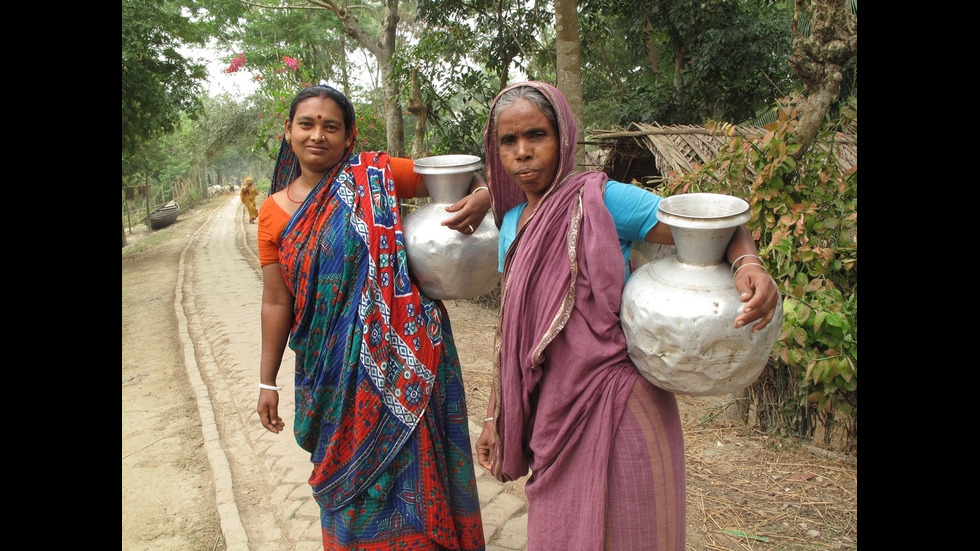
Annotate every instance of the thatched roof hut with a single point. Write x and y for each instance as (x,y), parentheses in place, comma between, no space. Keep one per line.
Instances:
(647,153)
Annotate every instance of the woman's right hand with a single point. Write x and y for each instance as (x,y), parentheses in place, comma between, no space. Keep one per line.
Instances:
(269,410)
(469,212)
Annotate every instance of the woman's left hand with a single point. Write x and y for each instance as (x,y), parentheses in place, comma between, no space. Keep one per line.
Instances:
(760,295)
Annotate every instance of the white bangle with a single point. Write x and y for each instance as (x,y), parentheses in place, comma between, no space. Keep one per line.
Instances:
(488,419)
(734,262)
(270,387)
(479,188)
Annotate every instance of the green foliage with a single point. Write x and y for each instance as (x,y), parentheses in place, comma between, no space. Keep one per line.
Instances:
(463,56)
(804,216)
(371,135)
(159,85)
(457,106)
(684,61)
(498,35)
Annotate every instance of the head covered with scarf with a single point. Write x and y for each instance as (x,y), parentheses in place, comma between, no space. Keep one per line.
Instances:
(506,194)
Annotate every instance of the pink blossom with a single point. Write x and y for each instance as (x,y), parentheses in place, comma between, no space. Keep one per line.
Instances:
(236,63)
(293,63)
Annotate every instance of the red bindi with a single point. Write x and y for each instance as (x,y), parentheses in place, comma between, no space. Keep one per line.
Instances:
(319,116)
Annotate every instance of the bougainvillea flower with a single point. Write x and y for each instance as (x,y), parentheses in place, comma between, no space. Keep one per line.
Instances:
(236,63)
(293,63)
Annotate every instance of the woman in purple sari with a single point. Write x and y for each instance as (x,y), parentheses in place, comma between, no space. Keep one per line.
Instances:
(604,447)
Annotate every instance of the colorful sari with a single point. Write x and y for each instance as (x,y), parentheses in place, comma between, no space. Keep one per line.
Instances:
(603,445)
(380,400)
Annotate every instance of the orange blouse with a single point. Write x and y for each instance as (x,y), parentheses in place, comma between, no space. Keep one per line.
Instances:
(273,219)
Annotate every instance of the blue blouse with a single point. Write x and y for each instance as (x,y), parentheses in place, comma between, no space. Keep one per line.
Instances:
(634,210)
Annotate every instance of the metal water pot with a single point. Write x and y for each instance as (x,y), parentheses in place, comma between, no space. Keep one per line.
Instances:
(445,263)
(678,312)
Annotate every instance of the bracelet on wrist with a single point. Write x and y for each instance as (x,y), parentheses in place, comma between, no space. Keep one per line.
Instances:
(734,262)
(479,188)
(487,420)
(270,387)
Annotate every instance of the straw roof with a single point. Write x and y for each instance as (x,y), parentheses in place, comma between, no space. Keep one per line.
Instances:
(649,152)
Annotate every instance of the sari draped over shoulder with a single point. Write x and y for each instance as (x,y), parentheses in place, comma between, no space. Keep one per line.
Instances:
(379,396)
(562,374)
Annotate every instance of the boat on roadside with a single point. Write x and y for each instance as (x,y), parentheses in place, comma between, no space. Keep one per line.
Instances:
(164,215)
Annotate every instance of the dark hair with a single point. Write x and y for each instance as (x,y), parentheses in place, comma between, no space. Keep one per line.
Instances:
(324,91)
(528,93)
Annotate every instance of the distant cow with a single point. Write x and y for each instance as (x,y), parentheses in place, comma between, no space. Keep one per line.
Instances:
(214,190)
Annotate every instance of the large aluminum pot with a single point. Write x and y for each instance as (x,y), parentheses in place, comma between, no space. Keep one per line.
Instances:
(445,263)
(678,312)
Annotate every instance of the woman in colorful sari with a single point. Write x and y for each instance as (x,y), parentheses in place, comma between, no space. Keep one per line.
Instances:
(605,448)
(249,193)
(380,403)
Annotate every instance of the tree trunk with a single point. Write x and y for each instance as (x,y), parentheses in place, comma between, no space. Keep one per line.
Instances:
(383,49)
(569,65)
(417,107)
(394,123)
(653,53)
(344,76)
(819,58)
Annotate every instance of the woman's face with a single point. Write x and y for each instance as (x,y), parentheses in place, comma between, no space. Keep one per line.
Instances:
(528,145)
(317,134)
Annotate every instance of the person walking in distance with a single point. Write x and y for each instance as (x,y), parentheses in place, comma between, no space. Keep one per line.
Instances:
(248,195)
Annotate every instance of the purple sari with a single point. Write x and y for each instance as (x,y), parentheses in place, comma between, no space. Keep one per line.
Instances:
(570,405)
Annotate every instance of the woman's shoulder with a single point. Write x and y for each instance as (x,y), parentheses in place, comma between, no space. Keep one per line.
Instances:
(272,217)
(271,206)
(624,191)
